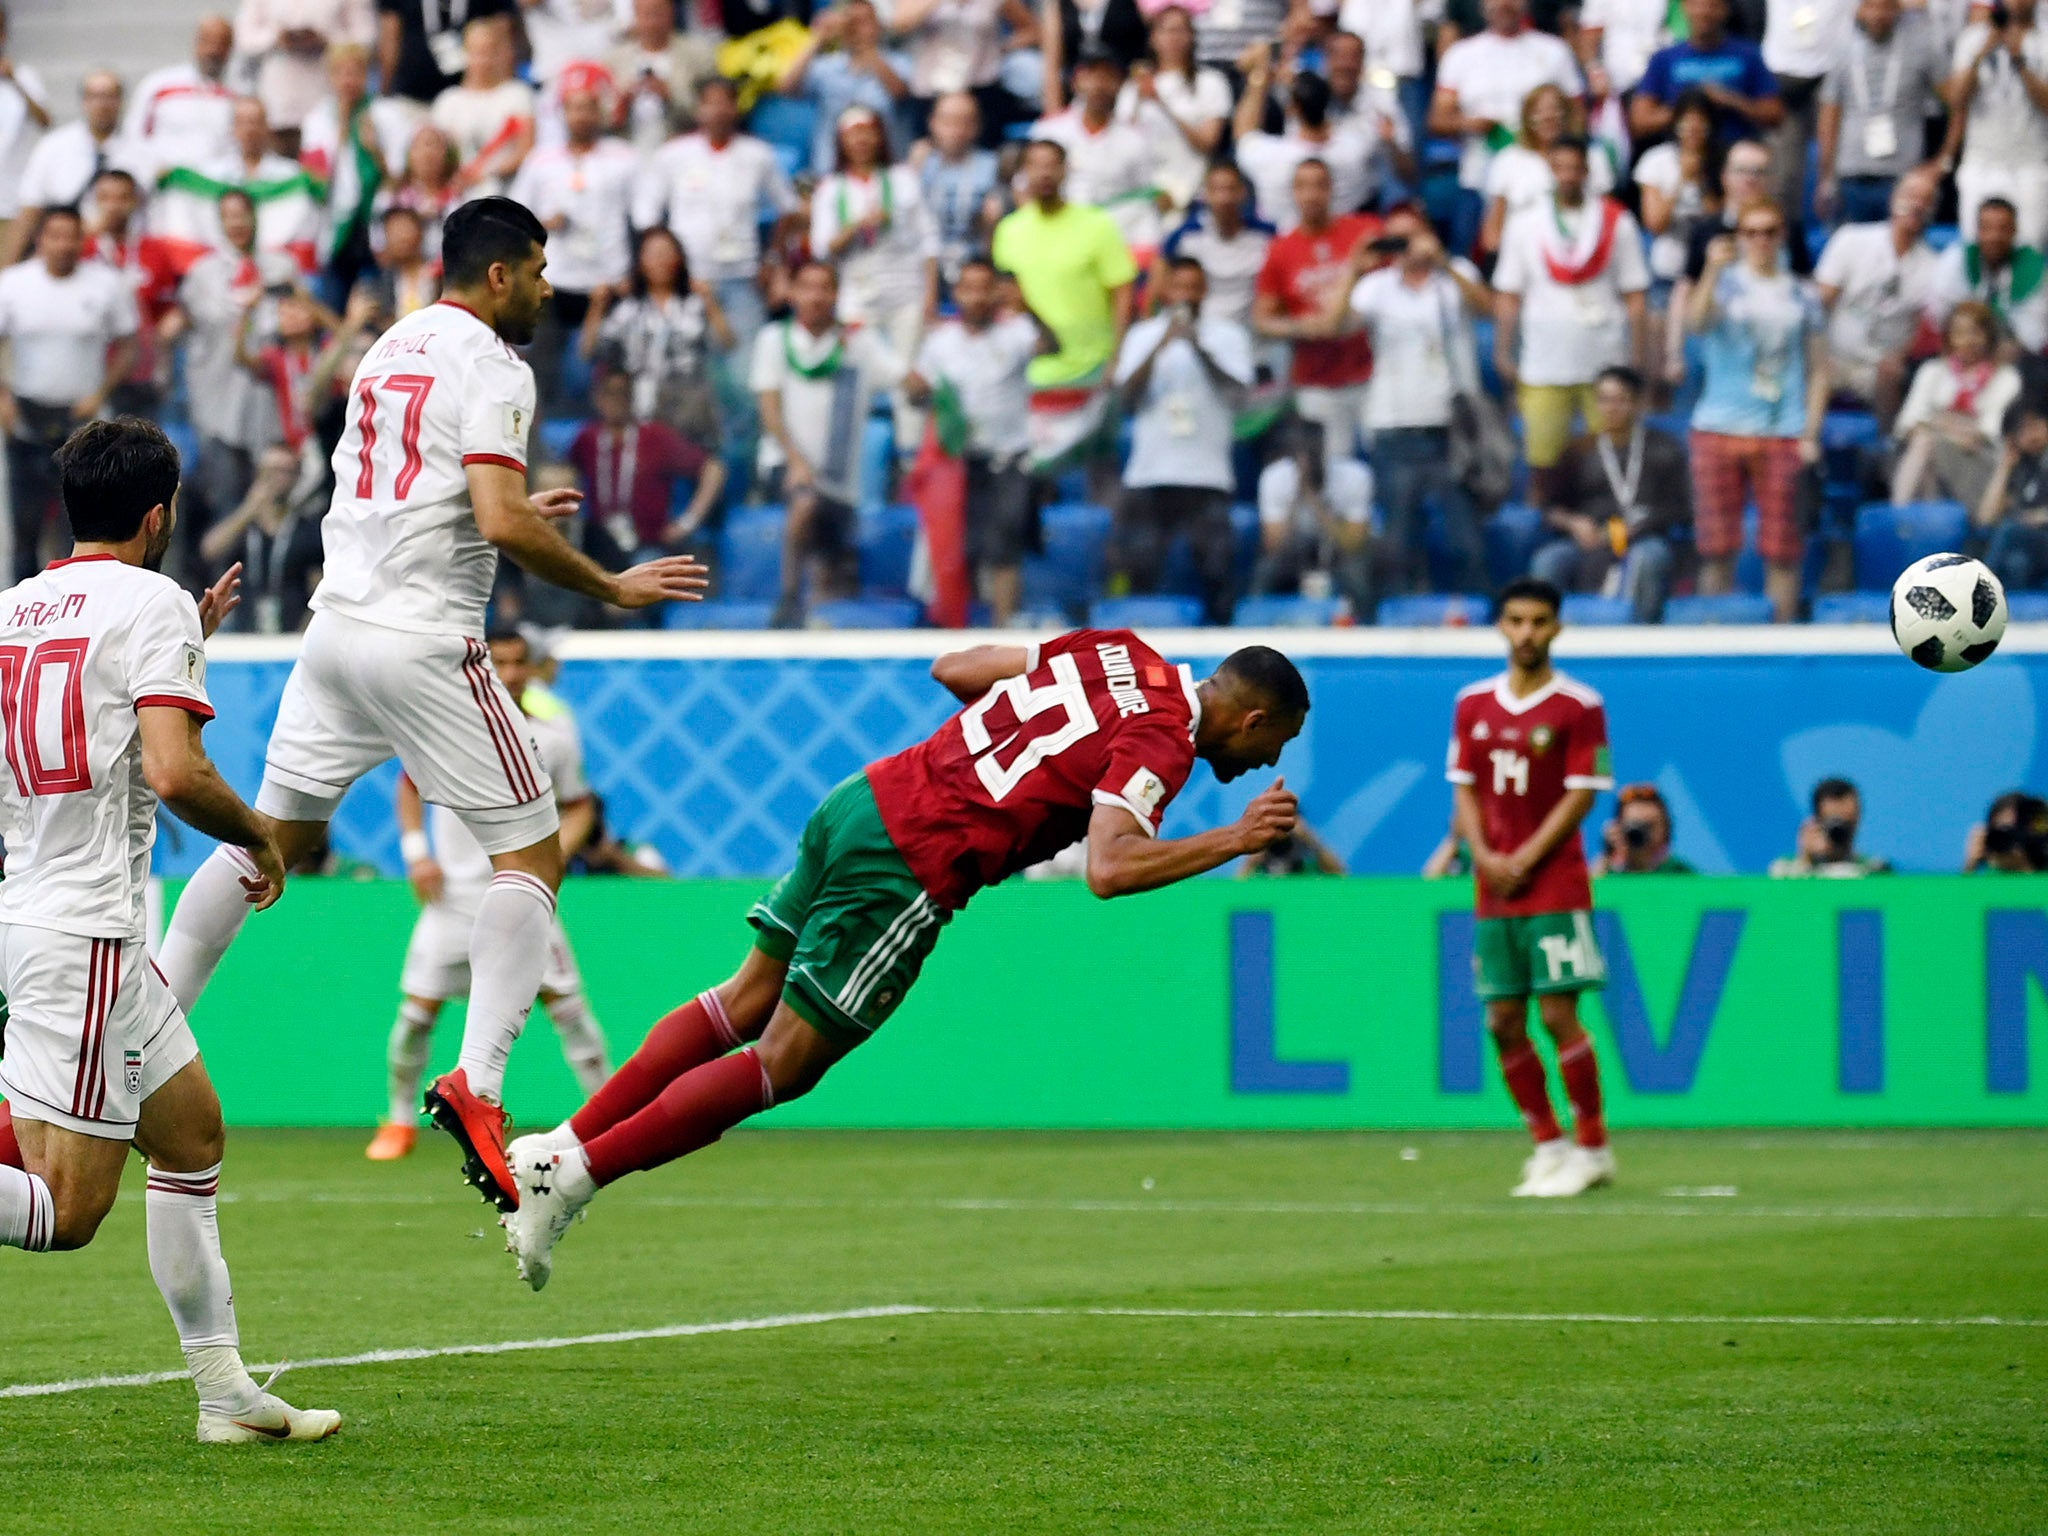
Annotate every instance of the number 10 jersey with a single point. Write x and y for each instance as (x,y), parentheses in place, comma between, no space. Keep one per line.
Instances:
(1097,718)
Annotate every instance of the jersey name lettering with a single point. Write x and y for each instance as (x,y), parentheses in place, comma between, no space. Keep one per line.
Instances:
(35,615)
(1121,677)
(401,346)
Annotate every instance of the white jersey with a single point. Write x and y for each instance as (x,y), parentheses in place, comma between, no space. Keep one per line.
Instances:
(465,867)
(83,646)
(439,392)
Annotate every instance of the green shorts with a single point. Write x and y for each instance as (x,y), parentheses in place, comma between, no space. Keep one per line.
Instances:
(850,920)
(1529,956)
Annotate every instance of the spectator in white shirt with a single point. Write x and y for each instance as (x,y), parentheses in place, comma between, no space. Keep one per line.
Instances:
(814,379)
(582,191)
(62,166)
(1804,42)
(658,69)
(958,45)
(1519,177)
(982,357)
(869,217)
(69,332)
(489,116)
(1678,185)
(1109,163)
(288,40)
(1182,378)
(425,184)
(1315,523)
(1998,104)
(1231,246)
(1949,429)
(1356,152)
(24,114)
(565,32)
(1481,83)
(712,188)
(288,214)
(1621,35)
(1998,270)
(1179,106)
(1875,281)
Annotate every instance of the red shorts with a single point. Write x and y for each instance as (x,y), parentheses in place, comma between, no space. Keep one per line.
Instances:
(1728,472)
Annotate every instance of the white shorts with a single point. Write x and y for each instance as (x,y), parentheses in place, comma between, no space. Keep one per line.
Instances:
(92,1030)
(437,958)
(360,694)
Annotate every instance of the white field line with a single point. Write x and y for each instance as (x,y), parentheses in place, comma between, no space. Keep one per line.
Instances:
(1172,1314)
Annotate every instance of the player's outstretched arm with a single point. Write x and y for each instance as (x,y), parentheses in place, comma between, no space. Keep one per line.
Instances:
(968,674)
(516,524)
(1123,859)
(176,767)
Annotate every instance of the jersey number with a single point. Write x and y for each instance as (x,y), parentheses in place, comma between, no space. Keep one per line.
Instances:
(23,673)
(1510,771)
(1048,721)
(415,387)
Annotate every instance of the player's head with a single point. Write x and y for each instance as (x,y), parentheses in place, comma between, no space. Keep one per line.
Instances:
(512,659)
(1252,706)
(119,481)
(492,253)
(1527,615)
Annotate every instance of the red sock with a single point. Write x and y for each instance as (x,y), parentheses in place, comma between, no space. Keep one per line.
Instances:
(691,1035)
(10,1149)
(692,1112)
(1523,1070)
(1580,1070)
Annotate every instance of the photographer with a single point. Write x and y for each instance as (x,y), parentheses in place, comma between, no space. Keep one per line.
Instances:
(1638,840)
(2013,839)
(1827,839)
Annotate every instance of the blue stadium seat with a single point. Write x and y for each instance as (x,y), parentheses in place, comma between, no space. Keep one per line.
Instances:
(1888,538)
(2026,607)
(1433,610)
(556,437)
(717,614)
(1731,608)
(1513,535)
(750,555)
(186,441)
(1853,608)
(885,538)
(1588,609)
(867,613)
(786,123)
(1067,575)
(1286,612)
(1845,438)
(1161,612)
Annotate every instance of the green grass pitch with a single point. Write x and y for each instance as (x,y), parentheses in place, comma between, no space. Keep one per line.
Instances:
(1109,1347)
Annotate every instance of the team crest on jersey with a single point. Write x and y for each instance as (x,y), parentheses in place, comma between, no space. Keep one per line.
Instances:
(131,1072)
(195,666)
(1541,738)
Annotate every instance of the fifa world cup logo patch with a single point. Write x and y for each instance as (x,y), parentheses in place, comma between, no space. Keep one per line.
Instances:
(131,1072)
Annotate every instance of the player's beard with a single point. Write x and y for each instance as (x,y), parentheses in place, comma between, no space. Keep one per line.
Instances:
(159,545)
(518,325)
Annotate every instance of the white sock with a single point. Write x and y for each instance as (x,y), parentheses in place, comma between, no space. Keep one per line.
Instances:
(560,1139)
(508,953)
(582,1041)
(27,1214)
(576,1184)
(405,1059)
(185,1259)
(209,914)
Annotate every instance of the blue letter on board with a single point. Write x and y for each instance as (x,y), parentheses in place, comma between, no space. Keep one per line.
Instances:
(2015,952)
(1254,1066)
(1859,1001)
(1669,1068)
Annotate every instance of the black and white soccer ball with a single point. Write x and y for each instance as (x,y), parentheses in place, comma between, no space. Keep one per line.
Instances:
(1948,612)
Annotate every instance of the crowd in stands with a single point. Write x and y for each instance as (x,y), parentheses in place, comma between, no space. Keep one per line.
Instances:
(950,311)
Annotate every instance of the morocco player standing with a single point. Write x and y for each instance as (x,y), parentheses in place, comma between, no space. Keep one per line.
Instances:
(103,692)
(430,485)
(1528,753)
(1089,735)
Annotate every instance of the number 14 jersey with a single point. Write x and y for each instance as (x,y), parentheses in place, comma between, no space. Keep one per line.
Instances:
(1097,718)
(437,392)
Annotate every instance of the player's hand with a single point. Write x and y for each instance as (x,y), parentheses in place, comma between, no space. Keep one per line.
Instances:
(424,876)
(267,884)
(560,502)
(220,600)
(671,579)
(1270,817)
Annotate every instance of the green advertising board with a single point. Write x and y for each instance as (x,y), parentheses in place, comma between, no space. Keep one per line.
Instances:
(1228,1004)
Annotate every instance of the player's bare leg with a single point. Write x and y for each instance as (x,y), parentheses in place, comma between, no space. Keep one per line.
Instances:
(405,1063)
(508,955)
(1507,1020)
(695,1109)
(214,905)
(71,1180)
(1591,1162)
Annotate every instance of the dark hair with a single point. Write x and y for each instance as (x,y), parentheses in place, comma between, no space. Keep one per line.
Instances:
(1832,789)
(1183,263)
(1052,144)
(403,211)
(1312,160)
(637,280)
(1693,99)
(984,261)
(2020,412)
(1269,675)
(884,157)
(823,266)
(1224,162)
(238,195)
(1997,202)
(723,83)
(112,473)
(62,211)
(1626,377)
(1534,588)
(1310,94)
(116,173)
(1575,142)
(479,235)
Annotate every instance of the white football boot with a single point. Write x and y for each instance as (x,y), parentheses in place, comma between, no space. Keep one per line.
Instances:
(1586,1168)
(554,1186)
(268,1418)
(1543,1166)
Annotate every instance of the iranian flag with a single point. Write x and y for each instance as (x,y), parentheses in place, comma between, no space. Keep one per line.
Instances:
(185,214)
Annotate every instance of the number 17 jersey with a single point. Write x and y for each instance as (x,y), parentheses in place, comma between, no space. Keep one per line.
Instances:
(436,393)
(1097,718)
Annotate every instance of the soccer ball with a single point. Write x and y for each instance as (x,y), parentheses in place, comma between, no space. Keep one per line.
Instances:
(1948,612)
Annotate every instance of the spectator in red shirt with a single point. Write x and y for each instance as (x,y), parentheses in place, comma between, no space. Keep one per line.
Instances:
(630,472)
(1304,268)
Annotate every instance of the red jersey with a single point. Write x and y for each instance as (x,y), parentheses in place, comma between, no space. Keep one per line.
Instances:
(1097,718)
(1301,271)
(1521,756)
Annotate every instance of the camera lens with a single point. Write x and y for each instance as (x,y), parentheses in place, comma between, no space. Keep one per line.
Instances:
(1636,834)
